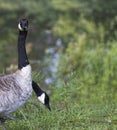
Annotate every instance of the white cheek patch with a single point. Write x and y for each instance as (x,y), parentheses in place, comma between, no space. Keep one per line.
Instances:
(42,98)
(20,28)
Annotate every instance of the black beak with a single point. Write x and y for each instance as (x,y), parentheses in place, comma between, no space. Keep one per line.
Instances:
(25,28)
(48,106)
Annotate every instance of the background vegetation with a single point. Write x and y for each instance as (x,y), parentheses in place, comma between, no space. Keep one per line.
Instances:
(78,39)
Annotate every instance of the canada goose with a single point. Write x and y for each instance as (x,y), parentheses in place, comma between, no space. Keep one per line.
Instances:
(42,95)
(16,88)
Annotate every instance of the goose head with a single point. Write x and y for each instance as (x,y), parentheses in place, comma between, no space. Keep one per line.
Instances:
(44,99)
(23,25)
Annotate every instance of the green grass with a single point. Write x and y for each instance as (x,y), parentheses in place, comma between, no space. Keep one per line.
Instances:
(68,113)
(75,117)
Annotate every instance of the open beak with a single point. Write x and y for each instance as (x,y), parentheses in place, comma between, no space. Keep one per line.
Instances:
(48,106)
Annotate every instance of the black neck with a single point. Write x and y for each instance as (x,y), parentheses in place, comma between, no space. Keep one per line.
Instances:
(22,56)
(37,89)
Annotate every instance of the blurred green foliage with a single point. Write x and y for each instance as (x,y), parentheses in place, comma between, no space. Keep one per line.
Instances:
(68,19)
(86,28)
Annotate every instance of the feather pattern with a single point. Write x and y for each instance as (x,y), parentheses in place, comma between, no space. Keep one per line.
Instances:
(15,90)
